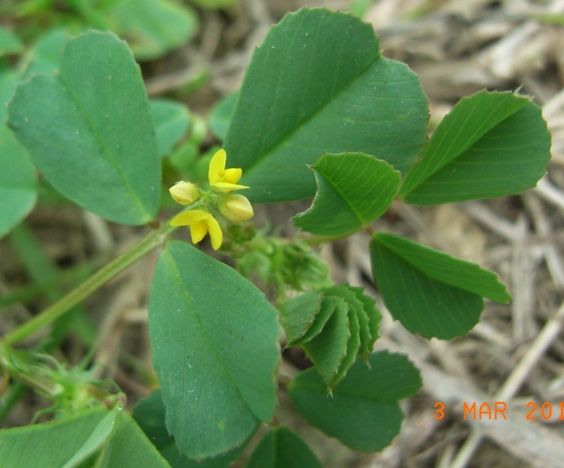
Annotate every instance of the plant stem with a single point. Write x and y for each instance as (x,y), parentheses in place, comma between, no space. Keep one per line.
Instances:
(153,240)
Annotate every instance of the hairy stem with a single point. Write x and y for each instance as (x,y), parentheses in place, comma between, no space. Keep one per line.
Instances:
(153,240)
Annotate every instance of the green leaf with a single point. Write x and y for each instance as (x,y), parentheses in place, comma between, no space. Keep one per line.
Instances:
(490,145)
(298,314)
(89,130)
(366,343)
(328,349)
(363,412)
(334,326)
(367,313)
(353,346)
(9,43)
(99,436)
(57,443)
(150,415)
(172,121)
(220,115)
(374,317)
(430,292)
(328,305)
(352,191)
(18,182)
(153,27)
(215,348)
(130,448)
(317,85)
(282,448)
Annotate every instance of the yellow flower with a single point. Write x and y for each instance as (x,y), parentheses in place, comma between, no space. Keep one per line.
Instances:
(200,223)
(221,179)
(184,193)
(235,207)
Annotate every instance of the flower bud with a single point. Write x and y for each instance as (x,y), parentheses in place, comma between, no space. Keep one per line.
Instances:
(184,193)
(235,207)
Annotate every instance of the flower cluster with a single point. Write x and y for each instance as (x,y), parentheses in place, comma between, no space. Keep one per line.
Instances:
(232,206)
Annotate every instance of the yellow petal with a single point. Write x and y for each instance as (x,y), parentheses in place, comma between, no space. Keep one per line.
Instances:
(217,167)
(216,235)
(189,217)
(227,187)
(198,231)
(232,175)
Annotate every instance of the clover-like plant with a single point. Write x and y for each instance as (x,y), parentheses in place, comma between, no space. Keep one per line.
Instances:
(321,114)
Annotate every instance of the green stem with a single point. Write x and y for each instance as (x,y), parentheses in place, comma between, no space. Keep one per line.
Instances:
(153,240)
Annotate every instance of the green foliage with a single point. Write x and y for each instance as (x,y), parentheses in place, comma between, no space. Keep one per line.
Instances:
(490,145)
(320,106)
(318,85)
(297,315)
(71,390)
(352,191)
(333,325)
(18,182)
(152,27)
(8,81)
(278,263)
(87,127)
(149,413)
(430,292)
(9,43)
(215,346)
(282,448)
(45,57)
(220,116)
(95,435)
(172,121)
(99,436)
(362,411)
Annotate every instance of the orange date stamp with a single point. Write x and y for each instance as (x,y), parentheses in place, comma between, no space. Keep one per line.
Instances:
(546,411)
